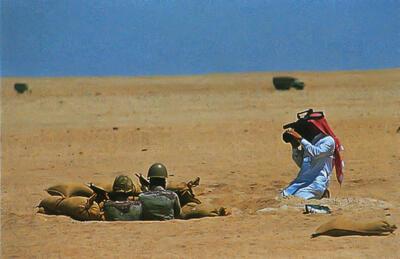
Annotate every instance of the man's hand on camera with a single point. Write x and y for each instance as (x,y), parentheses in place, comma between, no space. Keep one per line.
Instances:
(295,135)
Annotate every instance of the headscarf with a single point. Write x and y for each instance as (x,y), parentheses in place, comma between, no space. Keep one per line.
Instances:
(320,122)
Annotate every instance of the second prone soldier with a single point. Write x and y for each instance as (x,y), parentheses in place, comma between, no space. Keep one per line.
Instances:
(159,203)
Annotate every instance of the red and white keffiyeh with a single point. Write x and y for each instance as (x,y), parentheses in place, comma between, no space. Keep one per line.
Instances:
(322,125)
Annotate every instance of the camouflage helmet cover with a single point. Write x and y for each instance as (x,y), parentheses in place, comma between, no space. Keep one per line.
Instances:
(123,183)
(157,170)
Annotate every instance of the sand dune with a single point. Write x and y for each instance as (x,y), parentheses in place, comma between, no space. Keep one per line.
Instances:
(225,129)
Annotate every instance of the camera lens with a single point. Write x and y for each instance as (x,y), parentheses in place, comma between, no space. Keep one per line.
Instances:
(287,137)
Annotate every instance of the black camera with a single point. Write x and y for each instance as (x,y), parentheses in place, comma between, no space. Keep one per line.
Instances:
(287,138)
(300,124)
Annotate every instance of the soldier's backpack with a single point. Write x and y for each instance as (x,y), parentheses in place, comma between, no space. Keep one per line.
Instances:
(70,190)
(122,210)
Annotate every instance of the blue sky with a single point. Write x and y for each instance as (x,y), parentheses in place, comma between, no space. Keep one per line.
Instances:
(165,37)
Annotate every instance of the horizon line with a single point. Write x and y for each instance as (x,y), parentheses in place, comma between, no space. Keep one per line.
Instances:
(201,74)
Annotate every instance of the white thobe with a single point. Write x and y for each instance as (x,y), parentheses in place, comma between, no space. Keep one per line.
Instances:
(315,162)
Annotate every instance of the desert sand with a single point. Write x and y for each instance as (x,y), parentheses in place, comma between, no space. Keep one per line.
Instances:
(224,128)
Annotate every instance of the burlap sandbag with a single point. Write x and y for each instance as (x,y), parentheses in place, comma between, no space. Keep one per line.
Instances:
(192,210)
(343,226)
(75,208)
(177,186)
(185,191)
(50,204)
(70,190)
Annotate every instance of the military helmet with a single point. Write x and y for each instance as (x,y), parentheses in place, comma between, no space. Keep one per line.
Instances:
(157,170)
(123,183)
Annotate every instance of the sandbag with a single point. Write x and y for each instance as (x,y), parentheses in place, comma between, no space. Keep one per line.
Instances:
(191,211)
(70,190)
(343,226)
(176,186)
(75,208)
(50,204)
(187,196)
(185,191)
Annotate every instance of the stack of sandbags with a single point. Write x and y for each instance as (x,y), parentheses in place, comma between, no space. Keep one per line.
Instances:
(71,200)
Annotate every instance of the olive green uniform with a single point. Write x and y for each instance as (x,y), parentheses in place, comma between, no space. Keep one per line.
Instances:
(160,204)
(122,210)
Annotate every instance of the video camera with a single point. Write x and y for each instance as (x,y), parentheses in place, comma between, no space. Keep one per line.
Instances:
(299,125)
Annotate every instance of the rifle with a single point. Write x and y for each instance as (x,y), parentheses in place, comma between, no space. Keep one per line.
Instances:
(145,184)
(100,193)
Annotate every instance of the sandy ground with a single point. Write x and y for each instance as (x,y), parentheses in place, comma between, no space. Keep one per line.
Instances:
(225,129)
